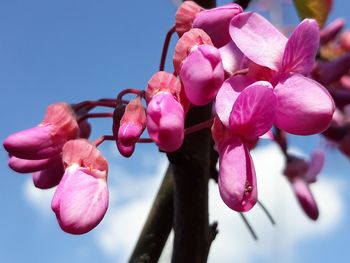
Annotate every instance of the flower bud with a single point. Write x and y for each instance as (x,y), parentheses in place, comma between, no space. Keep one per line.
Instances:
(201,86)
(165,121)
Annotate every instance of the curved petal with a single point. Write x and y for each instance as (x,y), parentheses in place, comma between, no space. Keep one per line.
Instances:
(258,39)
(28,166)
(202,85)
(253,112)
(166,121)
(304,106)
(305,198)
(50,176)
(228,94)
(237,180)
(301,48)
(33,144)
(232,58)
(81,200)
(212,19)
(315,165)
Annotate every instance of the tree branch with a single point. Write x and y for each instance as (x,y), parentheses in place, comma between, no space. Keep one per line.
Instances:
(158,224)
(243,3)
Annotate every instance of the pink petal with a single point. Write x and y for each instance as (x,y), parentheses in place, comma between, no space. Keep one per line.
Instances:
(33,144)
(126,151)
(83,153)
(258,39)
(305,198)
(237,180)
(193,38)
(315,166)
(304,106)
(232,58)
(301,48)
(165,122)
(202,85)
(212,19)
(253,112)
(185,15)
(81,199)
(28,166)
(228,94)
(330,31)
(50,176)
(129,133)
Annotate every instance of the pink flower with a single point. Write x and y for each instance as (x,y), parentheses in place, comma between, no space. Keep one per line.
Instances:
(47,139)
(246,111)
(215,22)
(81,199)
(128,124)
(304,106)
(301,173)
(201,86)
(166,107)
(190,15)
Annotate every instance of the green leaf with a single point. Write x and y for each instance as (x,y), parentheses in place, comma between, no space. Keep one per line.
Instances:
(316,9)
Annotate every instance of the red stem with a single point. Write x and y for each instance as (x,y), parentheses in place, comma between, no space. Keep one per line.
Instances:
(128,91)
(96,115)
(199,126)
(165,48)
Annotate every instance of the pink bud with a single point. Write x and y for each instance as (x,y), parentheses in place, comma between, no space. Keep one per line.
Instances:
(81,199)
(126,151)
(215,22)
(47,139)
(329,32)
(185,15)
(132,123)
(305,198)
(165,121)
(201,86)
(190,39)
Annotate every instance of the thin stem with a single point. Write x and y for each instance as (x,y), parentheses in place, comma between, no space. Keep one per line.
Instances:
(92,104)
(266,211)
(103,138)
(250,228)
(95,115)
(129,91)
(165,48)
(199,126)
(145,140)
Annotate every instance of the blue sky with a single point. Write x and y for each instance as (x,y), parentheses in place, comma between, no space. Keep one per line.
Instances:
(75,50)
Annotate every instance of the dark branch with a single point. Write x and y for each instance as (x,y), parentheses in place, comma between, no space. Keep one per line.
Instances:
(243,3)
(158,224)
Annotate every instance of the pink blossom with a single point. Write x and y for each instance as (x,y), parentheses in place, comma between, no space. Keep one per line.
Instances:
(215,22)
(166,107)
(47,139)
(202,85)
(302,173)
(288,61)
(81,199)
(246,112)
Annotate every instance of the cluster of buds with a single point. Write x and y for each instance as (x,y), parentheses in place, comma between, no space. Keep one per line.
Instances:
(255,76)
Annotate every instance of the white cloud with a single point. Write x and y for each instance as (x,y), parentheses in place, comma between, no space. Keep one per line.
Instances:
(131,197)
(38,198)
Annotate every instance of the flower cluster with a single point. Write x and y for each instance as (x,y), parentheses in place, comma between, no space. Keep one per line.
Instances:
(255,76)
